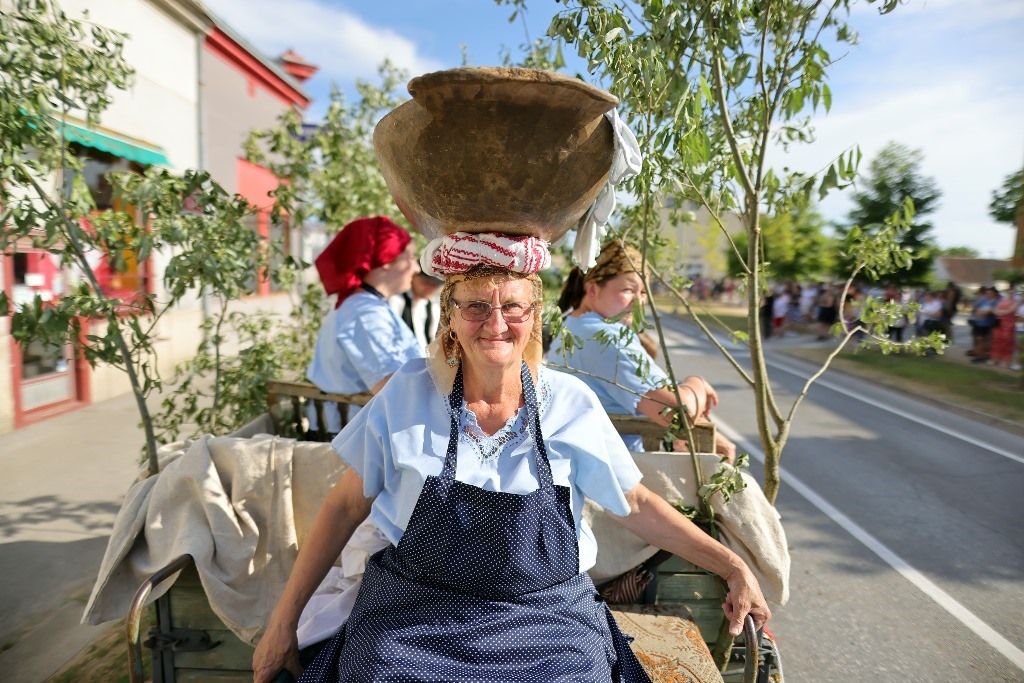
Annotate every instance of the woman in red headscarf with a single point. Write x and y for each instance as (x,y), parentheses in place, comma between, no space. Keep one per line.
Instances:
(362,342)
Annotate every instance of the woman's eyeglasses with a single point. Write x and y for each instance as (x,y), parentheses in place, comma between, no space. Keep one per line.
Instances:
(479,311)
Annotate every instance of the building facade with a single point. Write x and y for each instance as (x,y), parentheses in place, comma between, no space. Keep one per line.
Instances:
(199,89)
(697,242)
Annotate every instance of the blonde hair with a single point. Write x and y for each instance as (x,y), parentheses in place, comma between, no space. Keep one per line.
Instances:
(445,346)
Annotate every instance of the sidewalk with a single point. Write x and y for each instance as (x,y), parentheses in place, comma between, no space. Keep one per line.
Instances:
(63,482)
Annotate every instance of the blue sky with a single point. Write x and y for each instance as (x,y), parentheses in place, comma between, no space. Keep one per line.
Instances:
(942,76)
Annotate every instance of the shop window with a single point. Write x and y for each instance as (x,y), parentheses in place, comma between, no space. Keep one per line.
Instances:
(39,360)
(35,274)
(97,165)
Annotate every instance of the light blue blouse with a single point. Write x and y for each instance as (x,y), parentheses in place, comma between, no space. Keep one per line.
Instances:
(401,437)
(619,361)
(360,343)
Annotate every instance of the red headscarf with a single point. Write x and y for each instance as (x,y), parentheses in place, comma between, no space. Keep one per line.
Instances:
(361,246)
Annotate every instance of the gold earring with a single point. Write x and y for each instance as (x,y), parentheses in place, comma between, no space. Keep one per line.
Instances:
(453,355)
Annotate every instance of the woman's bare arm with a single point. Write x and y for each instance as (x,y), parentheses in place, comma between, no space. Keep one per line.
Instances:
(661,525)
(696,393)
(344,509)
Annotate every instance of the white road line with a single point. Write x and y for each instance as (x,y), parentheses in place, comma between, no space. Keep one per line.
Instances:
(926,586)
(905,415)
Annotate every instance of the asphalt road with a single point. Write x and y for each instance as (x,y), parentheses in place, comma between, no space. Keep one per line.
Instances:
(904,523)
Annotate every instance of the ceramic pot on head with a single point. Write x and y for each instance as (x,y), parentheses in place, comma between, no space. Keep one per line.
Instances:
(491,149)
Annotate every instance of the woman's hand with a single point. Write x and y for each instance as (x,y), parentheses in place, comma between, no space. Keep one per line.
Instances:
(744,597)
(724,447)
(278,649)
(712,397)
(701,387)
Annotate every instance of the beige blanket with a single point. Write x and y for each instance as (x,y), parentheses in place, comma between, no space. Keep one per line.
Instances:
(234,504)
(749,524)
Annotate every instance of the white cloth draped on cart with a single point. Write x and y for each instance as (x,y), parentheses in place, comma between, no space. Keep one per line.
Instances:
(239,506)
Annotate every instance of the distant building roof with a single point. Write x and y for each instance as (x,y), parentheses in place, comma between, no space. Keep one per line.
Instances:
(968,271)
(271,64)
(297,67)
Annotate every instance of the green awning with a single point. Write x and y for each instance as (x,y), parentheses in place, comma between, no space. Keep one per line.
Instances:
(135,151)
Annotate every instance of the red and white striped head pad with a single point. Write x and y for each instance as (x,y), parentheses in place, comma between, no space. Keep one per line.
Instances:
(457,253)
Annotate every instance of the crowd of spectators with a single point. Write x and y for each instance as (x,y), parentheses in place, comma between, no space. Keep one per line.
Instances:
(996,319)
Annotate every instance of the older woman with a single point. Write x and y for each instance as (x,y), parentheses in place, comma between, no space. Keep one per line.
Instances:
(612,359)
(475,464)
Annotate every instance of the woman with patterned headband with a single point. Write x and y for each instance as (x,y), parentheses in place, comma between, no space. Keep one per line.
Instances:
(613,360)
(474,462)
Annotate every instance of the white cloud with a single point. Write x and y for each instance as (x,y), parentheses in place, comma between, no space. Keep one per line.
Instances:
(935,76)
(340,43)
(971,139)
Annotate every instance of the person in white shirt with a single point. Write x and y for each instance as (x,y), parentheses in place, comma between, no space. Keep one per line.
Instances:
(420,307)
(779,310)
(930,316)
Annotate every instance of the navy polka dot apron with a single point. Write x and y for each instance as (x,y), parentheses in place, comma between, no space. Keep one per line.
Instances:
(483,586)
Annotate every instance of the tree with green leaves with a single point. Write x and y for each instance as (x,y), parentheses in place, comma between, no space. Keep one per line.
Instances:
(1008,201)
(1008,207)
(712,91)
(330,169)
(53,64)
(960,251)
(893,177)
(795,247)
(329,177)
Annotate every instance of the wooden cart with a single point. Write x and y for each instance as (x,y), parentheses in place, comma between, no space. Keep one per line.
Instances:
(190,644)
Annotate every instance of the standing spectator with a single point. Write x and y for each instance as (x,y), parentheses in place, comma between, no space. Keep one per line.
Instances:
(894,296)
(1004,332)
(1020,332)
(826,311)
(717,290)
(420,307)
(730,290)
(767,312)
(850,312)
(982,321)
(930,316)
(793,314)
(950,303)
(808,296)
(780,308)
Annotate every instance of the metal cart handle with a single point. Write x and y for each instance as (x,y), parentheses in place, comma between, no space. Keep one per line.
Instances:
(752,641)
(134,622)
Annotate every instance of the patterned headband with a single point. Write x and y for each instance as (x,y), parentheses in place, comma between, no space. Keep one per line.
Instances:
(457,253)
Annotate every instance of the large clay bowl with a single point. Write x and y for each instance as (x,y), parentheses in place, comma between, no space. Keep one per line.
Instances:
(490,149)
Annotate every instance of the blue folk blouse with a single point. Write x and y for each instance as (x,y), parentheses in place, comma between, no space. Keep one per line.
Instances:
(401,437)
(360,343)
(623,361)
